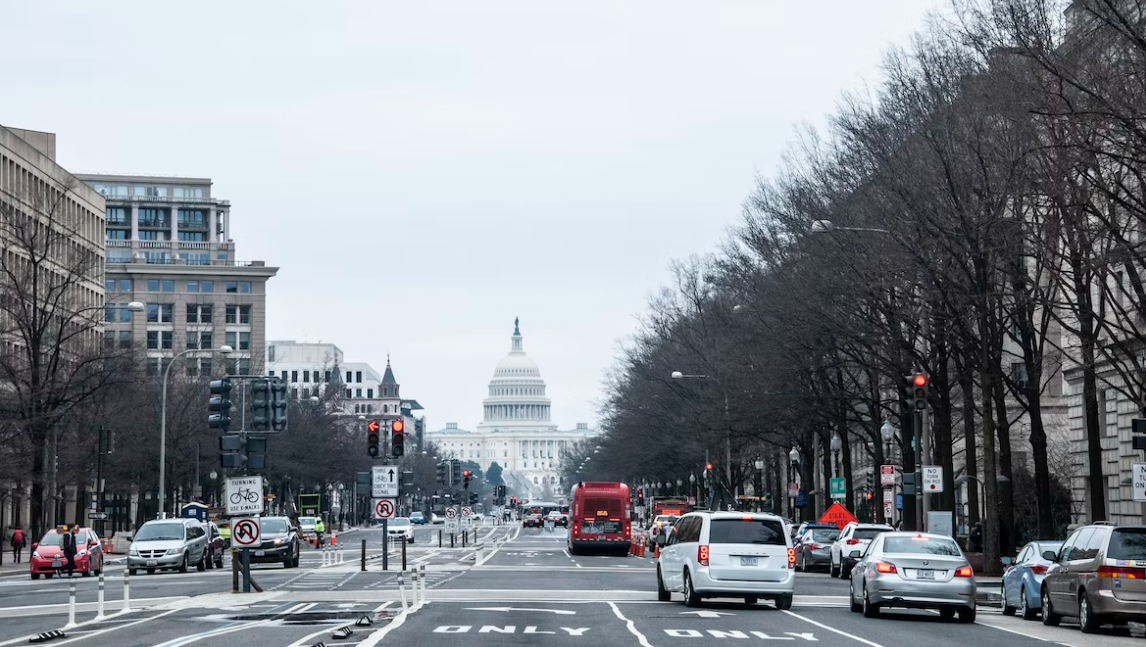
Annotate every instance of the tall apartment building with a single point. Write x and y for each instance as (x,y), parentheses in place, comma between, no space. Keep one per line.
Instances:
(169,247)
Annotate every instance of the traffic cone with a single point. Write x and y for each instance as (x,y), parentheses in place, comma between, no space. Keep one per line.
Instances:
(657,552)
(333,539)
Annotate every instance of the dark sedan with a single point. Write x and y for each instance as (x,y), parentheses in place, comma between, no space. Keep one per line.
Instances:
(533,521)
(278,543)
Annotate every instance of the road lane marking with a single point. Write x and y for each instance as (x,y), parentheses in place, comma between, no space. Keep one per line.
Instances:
(834,630)
(631,626)
(90,634)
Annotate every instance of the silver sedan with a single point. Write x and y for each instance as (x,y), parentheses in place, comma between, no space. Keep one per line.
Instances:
(915,571)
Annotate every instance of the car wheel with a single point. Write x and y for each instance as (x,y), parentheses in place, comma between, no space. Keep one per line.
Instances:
(131,571)
(967,615)
(1088,620)
(35,576)
(1008,610)
(784,602)
(803,562)
(151,571)
(210,562)
(946,613)
(201,565)
(691,599)
(751,599)
(182,564)
(48,576)
(870,610)
(832,570)
(1025,609)
(1050,618)
(856,606)
(663,594)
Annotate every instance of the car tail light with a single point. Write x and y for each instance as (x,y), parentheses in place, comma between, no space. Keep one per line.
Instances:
(1121,572)
(884,567)
(791,558)
(853,542)
(1038,569)
(964,571)
(702,555)
(813,546)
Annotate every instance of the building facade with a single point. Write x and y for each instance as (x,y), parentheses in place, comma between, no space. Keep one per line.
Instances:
(169,247)
(516,430)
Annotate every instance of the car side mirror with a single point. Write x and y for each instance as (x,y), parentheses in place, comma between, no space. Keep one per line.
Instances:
(855,554)
(1005,561)
(35,546)
(130,538)
(1050,555)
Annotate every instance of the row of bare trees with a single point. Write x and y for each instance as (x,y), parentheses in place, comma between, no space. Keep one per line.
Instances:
(979,219)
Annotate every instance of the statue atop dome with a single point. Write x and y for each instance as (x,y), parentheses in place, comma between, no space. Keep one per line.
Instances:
(516,328)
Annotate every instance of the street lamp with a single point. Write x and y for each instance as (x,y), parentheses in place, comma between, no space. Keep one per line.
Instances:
(794,461)
(759,465)
(836,446)
(163,420)
(887,431)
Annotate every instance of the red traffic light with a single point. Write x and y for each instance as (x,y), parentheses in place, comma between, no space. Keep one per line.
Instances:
(920,380)
(397,426)
(373,426)
(708,467)
(466,473)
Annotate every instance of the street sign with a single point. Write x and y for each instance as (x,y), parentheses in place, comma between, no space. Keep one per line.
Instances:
(245,532)
(466,512)
(451,513)
(801,499)
(97,516)
(838,515)
(385,483)
(932,479)
(839,488)
(887,475)
(453,526)
(793,490)
(899,502)
(244,495)
(1139,472)
(888,509)
(383,508)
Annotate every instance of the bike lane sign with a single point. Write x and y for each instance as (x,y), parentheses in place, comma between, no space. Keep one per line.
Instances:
(244,495)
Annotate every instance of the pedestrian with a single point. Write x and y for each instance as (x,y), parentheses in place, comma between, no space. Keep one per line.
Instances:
(17,544)
(69,545)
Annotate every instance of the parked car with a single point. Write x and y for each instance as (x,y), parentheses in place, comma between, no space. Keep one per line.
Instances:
(854,536)
(168,544)
(1098,576)
(215,546)
(915,571)
(533,521)
(1023,580)
(278,542)
(814,547)
(417,518)
(48,554)
(399,527)
(727,555)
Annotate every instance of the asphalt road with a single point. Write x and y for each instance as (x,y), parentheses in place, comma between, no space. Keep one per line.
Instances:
(517,586)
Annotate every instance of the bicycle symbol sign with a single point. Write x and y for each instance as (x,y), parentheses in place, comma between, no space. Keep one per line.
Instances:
(245,532)
(245,495)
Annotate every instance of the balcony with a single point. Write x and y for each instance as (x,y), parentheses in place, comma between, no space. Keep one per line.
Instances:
(155,224)
(151,199)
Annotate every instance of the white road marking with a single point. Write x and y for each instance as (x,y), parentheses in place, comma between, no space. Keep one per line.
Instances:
(631,626)
(834,630)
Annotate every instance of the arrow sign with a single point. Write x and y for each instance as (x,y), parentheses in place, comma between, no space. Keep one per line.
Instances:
(373,426)
(391,475)
(560,612)
(706,614)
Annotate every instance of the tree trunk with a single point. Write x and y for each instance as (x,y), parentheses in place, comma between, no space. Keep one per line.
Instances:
(967,385)
(1006,469)
(991,555)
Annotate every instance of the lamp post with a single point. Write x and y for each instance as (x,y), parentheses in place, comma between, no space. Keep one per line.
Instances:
(214,486)
(794,461)
(887,431)
(163,421)
(759,483)
(836,446)
(692,486)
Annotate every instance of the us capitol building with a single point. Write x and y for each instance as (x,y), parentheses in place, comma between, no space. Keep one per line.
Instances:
(516,431)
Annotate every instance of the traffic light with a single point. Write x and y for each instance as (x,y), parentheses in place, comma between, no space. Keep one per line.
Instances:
(278,404)
(397,446)
(473,498)
(443,473)
(640,496)
(373,437)
(871,480)
(220,405)
(455,472)
(919,392)
(466,481)
(243,452)
(260,405)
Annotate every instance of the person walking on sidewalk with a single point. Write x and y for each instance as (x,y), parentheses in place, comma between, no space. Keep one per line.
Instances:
(17,544)
(69,545)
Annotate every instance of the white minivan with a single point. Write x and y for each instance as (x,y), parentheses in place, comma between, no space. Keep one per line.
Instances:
(728,555)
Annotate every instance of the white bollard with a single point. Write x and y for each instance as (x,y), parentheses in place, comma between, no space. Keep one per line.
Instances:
(99,598)
(126,590)
(402,591)
(71,603)
(323,550)
(414,588)
(422,568)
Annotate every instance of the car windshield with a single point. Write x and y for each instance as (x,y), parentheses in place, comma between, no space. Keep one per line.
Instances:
(1127,543)
(52,539)
(868,533)
(825,534)
(159,532)
(273,526)
(746,531)
(307,522)
(917,545)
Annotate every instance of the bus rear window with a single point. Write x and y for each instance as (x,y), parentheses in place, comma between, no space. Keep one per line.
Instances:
(602,507)
(747,531)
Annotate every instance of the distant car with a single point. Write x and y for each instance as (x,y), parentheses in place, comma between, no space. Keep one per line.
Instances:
(435,518)
(278,542)
(799,530)
(306,529)
(661,525)
(216,546)
(533,521)
(168,544)
(814,547)
(48,554)
(417,518)
(1023,580)
(399,527)
(912,570)
(559,518)
(854,536)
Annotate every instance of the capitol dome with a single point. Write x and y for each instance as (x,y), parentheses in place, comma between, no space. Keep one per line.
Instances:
(516,394)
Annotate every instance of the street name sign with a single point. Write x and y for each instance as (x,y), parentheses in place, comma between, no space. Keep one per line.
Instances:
(932,479)
(244,495)
(839,488)
(385,482)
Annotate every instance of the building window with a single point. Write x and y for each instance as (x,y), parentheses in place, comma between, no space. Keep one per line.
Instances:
(306,393)
(116,234)
(152,285)
(160,312)
(151,191)
(244,341)
(348,394)
(230,337)
(192,236)
(168,285)
(125,339)
(294,394)
(192,286)
(159,339)
(153,218)
(245,318)
(327,378)
(306,376)
(358,393)
(160,235)
(207,286)
(109,340)
(125,285)
(232,287)
(358,377)
(187,191)
(197,313)
(370,393)
(245,287)
(115,215)
(348,380)
(293,376)
(200,340)
(244,365)
(192,219)
(271,373)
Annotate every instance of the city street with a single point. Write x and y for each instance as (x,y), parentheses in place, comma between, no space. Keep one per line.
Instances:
(528,587)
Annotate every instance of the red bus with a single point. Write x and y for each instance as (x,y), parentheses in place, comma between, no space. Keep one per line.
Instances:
(600,518)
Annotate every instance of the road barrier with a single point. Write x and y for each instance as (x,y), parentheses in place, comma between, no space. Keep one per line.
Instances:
(127,589)
(99,598)
(363,555)
(71,604)
(402,590)
(403,552)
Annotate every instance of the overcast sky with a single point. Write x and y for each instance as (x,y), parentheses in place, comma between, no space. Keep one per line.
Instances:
(423,172)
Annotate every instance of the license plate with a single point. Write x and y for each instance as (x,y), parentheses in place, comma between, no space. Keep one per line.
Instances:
(260,553)
(151,562)
(924,574)
(57,564)
(748,561)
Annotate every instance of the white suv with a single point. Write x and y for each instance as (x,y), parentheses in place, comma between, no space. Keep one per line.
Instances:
(854,536)
(728,555)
